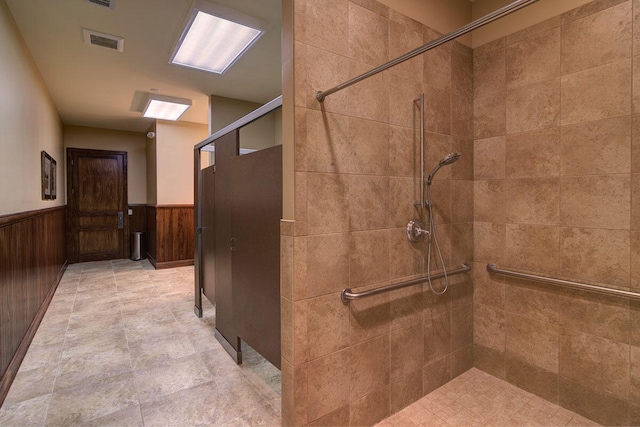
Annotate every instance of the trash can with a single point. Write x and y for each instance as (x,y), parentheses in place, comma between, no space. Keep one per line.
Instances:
(137,246)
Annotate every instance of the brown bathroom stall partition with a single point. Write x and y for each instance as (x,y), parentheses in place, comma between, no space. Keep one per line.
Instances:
(247,208)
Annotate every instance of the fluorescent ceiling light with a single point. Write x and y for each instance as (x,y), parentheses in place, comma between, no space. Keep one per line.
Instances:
(215,37)
(165,107)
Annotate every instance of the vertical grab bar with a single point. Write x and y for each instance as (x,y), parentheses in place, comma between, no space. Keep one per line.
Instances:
(420,100)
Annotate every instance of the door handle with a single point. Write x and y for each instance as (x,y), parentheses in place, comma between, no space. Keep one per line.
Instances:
(120,220)
(232,244)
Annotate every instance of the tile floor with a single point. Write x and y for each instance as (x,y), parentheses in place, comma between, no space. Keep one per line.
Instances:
(476,398)
(120,346)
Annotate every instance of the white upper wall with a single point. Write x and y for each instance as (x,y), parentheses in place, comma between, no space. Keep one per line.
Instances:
(29,123)
(174,160)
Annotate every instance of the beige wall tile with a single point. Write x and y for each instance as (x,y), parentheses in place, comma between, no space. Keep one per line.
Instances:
(532,378)
(369,99)
(596,255)
(406,307)
(532,341)
(594,403)
(599,147)
(489,360)
(596,201)
(371,409)
(489,327)
(435,374)
(489,73)
(488,47)
(635,261)
(529,302)
(299,268)
(635,201)
(461,289)
(588,9)
(368,202)
(489,158)
(533,201)
(405,257)
(294,393)
(339,417)
(636,27)
(461,361)
(489,115)
(461,244)
(404,357)
(604,316)
(488,289)
(597,39)
(597,93)
(286,266)
(368,144)
(403,147)
(369,367)
(437,63)
(440,193)
(368,257)
(316,16)
(301,83)
(533,60)
(300,336)
(534,248)
(461,327)
(489,240)
(635,145)
(534,106)
(368,36)
(402,108)
(534,30)
(437,337)
(461,116)
(406,390)
(327,145)
(327,203)
(436,147)
(634,391)
(369,318)
(328,387)
(286,329)
(437,106)
(402,39)
(463,168)
(595,362)
(325,70)
(462,201)
(533,154)
(327,264)
(462,71)
(375,7)
(300,196)
(403,194)
(328,325)
(489,201)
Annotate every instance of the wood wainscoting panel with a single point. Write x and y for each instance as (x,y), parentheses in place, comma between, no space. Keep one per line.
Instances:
(33,258)
(170,235)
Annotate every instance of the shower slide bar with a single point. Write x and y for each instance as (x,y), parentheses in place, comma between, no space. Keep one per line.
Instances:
(504,11)
(347,295)
(492,268)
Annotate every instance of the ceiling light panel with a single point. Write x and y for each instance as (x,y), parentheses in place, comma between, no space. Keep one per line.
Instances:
(165,107)
(215,37)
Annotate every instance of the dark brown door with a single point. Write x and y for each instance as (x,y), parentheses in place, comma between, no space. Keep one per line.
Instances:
(208,234)
(255,259)
(97,194)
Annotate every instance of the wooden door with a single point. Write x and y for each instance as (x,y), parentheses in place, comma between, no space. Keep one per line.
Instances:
(208,264)
(255,259)
(97,194)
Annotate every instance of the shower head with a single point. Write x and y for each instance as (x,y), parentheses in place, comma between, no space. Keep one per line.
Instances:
(446,160)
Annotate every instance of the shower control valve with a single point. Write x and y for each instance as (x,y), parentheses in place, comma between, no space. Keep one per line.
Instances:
(415,231)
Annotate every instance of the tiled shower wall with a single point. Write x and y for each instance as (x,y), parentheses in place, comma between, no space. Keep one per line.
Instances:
(557,193)
(356,158)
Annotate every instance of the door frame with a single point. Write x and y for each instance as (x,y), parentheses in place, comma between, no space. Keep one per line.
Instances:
(72,201)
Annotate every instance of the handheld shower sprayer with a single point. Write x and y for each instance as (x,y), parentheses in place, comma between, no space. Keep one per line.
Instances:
(433,239)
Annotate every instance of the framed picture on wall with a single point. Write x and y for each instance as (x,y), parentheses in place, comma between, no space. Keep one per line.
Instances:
(48,175)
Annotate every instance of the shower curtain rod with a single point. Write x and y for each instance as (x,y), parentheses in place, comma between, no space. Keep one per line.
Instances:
(492,268)
(504,11)
(346,295)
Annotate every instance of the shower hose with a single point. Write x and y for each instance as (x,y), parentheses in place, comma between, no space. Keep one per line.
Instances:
(433,240)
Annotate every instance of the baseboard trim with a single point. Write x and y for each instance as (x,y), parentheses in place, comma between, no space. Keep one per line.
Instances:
(13,367)
(152,260)
(173,264)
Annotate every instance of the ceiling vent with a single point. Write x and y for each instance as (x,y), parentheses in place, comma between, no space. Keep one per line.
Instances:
(109,41)
(102,3)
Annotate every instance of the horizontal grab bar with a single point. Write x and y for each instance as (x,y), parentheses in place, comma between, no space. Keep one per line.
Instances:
(492,268)
(347,295)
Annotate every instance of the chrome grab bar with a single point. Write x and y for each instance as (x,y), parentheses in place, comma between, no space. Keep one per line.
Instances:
(492,268)
(346,295)
(420,101)
(504,11)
